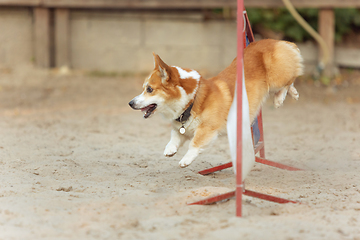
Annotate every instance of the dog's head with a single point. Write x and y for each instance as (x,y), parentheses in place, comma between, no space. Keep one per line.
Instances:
(167,90)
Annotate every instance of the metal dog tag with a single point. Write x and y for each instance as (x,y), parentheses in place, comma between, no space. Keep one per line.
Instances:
(182,130)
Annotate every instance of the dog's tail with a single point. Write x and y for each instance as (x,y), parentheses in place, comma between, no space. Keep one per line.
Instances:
(298,59)
(283,64)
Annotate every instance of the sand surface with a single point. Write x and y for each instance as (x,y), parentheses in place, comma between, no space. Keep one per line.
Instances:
(77,163)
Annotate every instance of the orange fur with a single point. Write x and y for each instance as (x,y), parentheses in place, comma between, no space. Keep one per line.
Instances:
(270,65)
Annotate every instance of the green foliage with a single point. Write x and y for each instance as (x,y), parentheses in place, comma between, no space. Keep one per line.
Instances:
(280,20)
(346,20)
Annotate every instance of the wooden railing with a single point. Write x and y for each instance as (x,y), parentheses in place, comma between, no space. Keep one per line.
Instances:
(63,7)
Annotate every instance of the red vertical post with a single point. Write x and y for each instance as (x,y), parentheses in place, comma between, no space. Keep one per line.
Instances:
(240,50)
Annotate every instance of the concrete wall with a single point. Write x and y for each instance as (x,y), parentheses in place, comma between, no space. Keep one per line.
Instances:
(125,41)
(16,38)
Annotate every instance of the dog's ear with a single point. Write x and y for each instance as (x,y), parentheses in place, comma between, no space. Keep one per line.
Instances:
(162,67)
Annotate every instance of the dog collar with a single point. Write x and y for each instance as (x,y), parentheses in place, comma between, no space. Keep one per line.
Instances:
(184,117)
(186,114)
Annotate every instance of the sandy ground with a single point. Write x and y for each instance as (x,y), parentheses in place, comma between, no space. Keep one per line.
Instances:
(77,163)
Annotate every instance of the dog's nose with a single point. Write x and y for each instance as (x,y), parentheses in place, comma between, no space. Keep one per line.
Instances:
(131,103)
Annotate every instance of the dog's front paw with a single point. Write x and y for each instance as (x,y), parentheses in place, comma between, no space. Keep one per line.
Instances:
(185,162)
(170,150)
(189,157)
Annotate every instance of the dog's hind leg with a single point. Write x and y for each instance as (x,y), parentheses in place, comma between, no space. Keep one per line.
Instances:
(293,92)
(280,97)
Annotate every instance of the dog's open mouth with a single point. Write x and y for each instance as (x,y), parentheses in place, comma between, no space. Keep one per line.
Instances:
(148,110)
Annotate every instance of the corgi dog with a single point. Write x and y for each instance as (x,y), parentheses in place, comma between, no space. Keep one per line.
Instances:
(198,107)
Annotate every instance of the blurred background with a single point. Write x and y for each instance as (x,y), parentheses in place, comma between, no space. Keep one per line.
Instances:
(119,36)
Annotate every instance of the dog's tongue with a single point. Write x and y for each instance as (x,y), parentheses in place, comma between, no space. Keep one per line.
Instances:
(146,108)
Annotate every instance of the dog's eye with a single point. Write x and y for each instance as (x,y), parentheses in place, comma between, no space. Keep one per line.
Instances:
(149,89)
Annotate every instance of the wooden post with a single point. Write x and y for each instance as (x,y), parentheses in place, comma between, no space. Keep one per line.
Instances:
(42,37)
(62,37)
(327,31)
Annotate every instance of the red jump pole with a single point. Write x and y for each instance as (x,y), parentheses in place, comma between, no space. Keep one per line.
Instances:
(240,51)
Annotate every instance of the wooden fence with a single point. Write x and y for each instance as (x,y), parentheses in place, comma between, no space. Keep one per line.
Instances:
(62,8)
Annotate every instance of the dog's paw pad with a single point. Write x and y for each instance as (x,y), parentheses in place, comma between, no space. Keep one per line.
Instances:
(169,154)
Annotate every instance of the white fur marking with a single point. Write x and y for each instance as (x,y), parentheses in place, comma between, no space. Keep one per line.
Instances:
(184,74)
(192,74)
(189,157)
(140,99)
(173,109)
(175,142)
(293,92)
(143,100)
